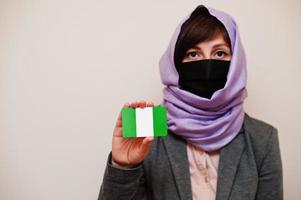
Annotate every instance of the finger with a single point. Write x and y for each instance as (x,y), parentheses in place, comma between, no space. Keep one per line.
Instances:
(119,118)
(125,105)
(149,104)
(142,104)
(146,143)
(134,104)
(131,104)
(147,140)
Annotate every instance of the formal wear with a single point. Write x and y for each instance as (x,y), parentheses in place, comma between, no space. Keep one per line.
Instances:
(249,167)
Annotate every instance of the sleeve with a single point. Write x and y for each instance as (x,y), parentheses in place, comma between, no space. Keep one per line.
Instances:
(121,183)
(119,166)
(270,183)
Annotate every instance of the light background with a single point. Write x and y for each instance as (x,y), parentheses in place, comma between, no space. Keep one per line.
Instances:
(67,66)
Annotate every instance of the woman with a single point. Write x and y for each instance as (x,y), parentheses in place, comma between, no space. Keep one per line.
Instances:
(214,150)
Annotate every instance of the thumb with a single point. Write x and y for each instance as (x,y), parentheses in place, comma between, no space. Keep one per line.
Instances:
(146,143)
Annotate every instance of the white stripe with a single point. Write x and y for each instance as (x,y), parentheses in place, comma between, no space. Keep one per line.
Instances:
(144,122)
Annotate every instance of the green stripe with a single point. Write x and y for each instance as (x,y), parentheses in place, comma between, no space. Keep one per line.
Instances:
(128,122)
(160,121)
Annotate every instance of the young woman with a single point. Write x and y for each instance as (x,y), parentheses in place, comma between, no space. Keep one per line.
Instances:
(214,150)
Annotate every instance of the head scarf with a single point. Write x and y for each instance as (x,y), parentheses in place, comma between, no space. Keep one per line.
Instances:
(207,123)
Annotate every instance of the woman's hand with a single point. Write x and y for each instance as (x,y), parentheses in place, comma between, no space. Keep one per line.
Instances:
(130,151)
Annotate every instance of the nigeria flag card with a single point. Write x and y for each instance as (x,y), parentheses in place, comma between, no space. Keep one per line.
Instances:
(144,122)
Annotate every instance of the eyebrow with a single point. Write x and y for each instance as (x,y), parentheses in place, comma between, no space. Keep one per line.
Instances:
(214,46)
(220,45)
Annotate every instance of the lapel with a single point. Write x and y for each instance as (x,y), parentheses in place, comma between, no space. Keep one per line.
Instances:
(229,160)
(177,155)
(228,163)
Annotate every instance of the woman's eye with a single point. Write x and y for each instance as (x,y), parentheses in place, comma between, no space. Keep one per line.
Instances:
(220,53)
(192,54)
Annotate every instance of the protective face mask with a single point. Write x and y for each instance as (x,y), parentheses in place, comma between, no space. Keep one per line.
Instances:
(203,77)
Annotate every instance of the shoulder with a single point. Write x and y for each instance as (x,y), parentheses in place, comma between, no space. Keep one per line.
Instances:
(258,130)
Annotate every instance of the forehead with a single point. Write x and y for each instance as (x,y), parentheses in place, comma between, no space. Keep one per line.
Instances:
(218,40)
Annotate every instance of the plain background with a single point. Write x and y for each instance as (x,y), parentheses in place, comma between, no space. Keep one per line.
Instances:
(67,66)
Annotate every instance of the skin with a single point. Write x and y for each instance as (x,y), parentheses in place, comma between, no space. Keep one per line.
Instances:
(215,48)
(132,151)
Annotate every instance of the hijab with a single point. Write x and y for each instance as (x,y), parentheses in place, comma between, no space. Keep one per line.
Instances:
(209,124)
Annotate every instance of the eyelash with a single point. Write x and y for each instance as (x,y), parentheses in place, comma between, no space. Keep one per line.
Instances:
(224,53)
(189,53)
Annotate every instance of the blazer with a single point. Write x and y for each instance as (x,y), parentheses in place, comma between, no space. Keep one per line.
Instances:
(249,168)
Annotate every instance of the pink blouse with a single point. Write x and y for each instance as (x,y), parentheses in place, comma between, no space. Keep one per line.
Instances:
(203,172)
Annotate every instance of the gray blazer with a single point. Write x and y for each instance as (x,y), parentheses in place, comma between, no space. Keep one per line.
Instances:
(249,168)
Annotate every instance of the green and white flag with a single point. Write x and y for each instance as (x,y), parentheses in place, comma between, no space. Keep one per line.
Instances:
(144,122)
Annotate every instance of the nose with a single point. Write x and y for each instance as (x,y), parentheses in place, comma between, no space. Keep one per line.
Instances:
(207,55)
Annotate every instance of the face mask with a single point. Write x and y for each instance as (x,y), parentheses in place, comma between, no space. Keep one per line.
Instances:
(203,77)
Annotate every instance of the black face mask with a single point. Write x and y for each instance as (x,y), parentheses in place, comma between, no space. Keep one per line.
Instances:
(203,77)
